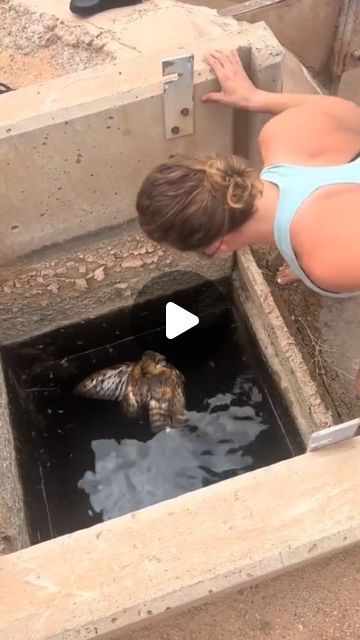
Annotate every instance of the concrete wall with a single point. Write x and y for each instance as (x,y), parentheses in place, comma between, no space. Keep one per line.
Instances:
(73,150)
(305,27)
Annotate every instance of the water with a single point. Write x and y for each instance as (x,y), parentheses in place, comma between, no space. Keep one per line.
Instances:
(84,461)
(130,475)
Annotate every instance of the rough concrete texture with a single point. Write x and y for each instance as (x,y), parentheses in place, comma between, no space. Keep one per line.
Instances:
(119,574)
(319,602)
(86,279)
(13,530)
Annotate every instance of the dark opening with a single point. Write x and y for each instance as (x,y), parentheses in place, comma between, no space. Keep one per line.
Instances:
(84,461)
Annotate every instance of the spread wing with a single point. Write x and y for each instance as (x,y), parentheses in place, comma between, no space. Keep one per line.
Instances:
(106,384)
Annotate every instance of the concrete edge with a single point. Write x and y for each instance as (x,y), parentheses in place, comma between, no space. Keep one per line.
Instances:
(115,576)
(13,529)
(279,348)
(109,85)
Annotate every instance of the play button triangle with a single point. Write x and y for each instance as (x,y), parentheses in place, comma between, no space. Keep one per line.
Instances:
(178,320)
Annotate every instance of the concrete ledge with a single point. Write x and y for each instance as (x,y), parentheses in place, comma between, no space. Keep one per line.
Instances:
(13,528)
(114,576)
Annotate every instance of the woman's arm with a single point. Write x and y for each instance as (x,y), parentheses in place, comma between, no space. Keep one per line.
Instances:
(238,91)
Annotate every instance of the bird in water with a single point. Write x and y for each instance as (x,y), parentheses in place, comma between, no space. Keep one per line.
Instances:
(151,383)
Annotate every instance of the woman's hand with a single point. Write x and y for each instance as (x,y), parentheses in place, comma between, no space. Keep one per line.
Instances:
(237,90)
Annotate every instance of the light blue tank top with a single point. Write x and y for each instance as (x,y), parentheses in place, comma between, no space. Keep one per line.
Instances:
(296,183)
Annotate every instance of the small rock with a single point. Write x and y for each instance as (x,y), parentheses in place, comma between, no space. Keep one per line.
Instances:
(132,263)
(82,269)
(151,259)
(121,285)
(81,284)
(7,289)
(51,39)
(70,39)
(99,274)
(49,22)
(54,287)
(97,45)
(48,272)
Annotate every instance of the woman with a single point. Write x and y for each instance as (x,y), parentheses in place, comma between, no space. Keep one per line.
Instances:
(306,200)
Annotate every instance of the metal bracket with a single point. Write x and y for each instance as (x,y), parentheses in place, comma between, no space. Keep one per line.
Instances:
(333,435)
(178,97)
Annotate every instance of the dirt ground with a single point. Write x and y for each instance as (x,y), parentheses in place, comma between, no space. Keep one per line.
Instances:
(39,47)
(320,602)
(19,70)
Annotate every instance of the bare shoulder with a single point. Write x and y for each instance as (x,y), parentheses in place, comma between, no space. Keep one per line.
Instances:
(327,243)
(306,134)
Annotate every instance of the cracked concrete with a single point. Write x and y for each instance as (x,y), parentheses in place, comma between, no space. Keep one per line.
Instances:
(90,277)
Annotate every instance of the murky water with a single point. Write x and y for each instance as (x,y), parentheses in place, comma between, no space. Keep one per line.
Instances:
(84,461)
(130,475)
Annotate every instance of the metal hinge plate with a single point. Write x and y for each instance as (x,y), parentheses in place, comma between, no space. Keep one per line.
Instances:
(333,435)
(178,97)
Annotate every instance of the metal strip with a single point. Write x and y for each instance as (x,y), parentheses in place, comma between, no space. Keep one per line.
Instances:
(178,97)
(334,435)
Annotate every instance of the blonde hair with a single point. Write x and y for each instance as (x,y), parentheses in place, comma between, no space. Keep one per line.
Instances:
(190,202)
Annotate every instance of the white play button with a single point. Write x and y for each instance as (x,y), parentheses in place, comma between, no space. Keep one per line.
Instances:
(178,320)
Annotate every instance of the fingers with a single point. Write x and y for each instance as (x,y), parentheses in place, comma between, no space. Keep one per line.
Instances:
(222,60)
(215,96)
(215,63)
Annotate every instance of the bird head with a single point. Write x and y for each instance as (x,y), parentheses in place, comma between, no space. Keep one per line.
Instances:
(151,361)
